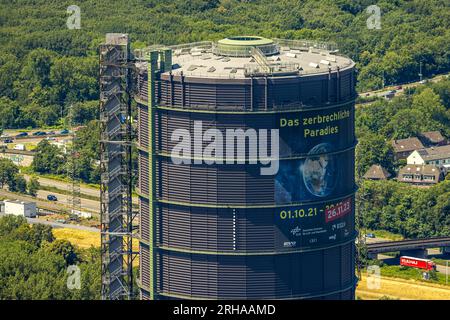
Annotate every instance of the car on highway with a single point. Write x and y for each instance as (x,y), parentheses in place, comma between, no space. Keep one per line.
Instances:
(74,217)
(51,133)
(64,131)
(8,141)
(39,133)
(51,138)
(370,235)
(22,134)
(399,88)
(61,221)
(52,197)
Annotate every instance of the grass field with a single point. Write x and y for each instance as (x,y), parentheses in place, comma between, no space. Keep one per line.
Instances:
(385,234)
(411,273)
(403,289)
(441,262)
(85,239)
(80,238)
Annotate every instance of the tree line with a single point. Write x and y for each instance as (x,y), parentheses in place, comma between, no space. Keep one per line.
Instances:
(34,265)
(406,210)
(47,69)
(83,154)
(11,177)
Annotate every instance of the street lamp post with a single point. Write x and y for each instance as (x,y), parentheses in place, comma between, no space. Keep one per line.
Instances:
(420,72)
(446,274)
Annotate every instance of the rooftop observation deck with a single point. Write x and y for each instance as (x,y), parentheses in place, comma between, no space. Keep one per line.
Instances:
(247,56)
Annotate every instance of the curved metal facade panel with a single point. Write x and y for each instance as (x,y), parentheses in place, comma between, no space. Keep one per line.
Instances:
(224,231)
(259,93)
(169,120)
(313,274)
(241,185)
(240,231)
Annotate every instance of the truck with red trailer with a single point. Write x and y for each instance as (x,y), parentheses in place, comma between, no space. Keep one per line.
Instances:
(419,263)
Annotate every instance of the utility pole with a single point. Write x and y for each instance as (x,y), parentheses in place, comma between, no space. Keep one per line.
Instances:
(420,72)
(360,199)
(446,273)
(74,197)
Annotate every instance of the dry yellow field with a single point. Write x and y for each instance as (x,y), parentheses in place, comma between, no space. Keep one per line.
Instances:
(81,238)
(403,289)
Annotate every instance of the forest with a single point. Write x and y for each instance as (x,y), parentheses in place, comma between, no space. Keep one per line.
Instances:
(49,72)
(409,211)
(47,69)
(34,265)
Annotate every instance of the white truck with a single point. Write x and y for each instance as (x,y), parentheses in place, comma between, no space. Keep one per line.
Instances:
(20,147)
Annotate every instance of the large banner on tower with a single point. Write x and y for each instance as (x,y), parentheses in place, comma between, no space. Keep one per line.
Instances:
(315,182)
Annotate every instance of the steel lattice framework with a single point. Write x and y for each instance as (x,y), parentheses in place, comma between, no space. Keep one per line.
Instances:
(116,167)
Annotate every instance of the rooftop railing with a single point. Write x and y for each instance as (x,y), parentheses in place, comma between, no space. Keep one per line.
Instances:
(263,66)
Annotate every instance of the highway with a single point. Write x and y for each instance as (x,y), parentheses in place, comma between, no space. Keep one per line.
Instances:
(390,246)
(396,261)
(55,224)
(90,205)
(12,134)
(62,185)
(40,203)
(84,190)
(384,91)
(385,245)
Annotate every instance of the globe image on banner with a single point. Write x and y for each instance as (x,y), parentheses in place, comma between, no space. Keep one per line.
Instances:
(320,170)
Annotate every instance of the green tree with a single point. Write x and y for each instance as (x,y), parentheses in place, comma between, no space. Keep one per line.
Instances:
(11,116)
(83,112)
(33,186)
(37,67)
(405,124)
(33,266)
(405,209)
(374,149)
(8,172)
(87,146)
(18,184)
(35,234)
(48,158)
(429,104)
(65,249)
(9,223)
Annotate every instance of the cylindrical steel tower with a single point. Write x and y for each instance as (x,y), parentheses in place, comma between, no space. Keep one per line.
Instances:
(220,223)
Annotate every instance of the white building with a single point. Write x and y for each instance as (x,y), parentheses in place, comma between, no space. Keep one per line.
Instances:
(20,208)
(82,214)
(61,144)
(438,156)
